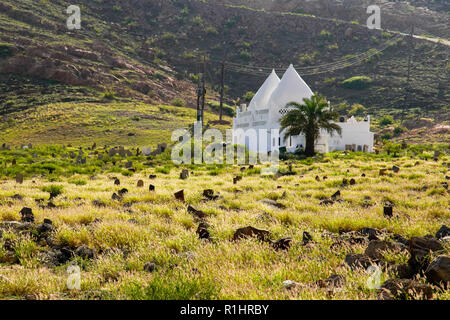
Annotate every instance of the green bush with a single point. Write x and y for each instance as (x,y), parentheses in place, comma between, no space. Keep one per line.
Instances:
(248,96)
(178,102)
(227,110)
(357,83)
(386,120)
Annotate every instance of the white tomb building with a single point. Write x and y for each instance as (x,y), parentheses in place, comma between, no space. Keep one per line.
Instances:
(256,126)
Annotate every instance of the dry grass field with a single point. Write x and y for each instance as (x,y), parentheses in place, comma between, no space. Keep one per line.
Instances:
(144,245)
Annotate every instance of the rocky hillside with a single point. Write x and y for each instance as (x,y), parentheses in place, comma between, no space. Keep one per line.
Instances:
(152,51)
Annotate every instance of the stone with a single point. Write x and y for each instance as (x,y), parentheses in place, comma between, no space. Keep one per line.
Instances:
(289,284)
(140,184)
(151,187)
(438,272)
(317,178)
(402,271)
(152,176)
(85,252)
(334,281)
(122,192)
(115,197)
(209,194)
(197,213)
(17,197)
(395,169)
(336,195)
(306,238)
(326,202)
(383,172)
(27,215)
(250,231)
(443,232)
(273,203)
(117,182)
(282,244)
(377,248)
(150,267)
(46,227)
(98,203)
(179,195)
(420,249)
(344,182)
(236,179)
(357,260)
(184,174)
(19,178)
(371,233)
(202,231)
(387,211)
(352,182)
(408,289)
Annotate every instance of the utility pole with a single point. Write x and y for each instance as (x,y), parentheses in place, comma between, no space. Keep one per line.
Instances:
(203,87)
(408,84)
(222,90)
(201,92)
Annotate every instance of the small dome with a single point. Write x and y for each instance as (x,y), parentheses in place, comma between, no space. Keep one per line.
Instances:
(261,97)
(291,88)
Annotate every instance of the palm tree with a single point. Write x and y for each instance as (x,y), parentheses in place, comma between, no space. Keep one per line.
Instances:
(308,118)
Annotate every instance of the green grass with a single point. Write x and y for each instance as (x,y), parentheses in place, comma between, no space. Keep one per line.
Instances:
(163,232)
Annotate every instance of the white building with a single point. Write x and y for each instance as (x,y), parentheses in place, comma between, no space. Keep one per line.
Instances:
(269,105)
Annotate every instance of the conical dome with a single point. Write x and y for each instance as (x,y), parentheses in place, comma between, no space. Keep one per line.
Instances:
(291,88)
(261,97)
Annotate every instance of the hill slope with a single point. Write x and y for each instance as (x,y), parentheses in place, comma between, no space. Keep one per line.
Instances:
(151,51)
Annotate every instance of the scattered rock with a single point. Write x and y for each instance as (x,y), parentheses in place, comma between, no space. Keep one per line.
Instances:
(376,248)
(115,197)
(19,178)
(151,187)
(383,172)
(237,179)
(357,260)
(117,182)
(122,192)
(152,176)
(438,272)
(444,231)
(17,197)
(197,213)
(273,203)
(388,211)
(27,215)
(370,233)
(184,174)
(247,232)
(203,232)
(408,289)
(85,252)
(395,169)
(282,244)
(150,267)
(179,195)
(306,238)
(336,195)
(209,194)
(352,182)
(402,271)
(420,249)
(335,281)
(289,284)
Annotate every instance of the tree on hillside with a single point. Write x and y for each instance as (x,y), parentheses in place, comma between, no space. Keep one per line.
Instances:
(308,118)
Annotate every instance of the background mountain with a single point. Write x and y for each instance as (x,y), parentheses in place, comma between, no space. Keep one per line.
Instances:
(151,51)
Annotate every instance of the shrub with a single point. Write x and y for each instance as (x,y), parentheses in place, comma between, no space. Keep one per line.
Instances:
(54,190)
(110,95)
(248,96)
(178,102)
(386,120)
(357,83)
